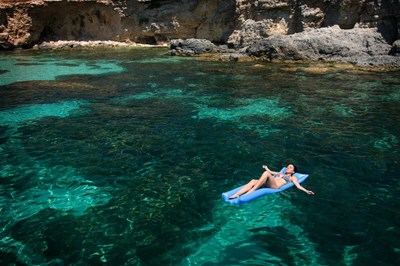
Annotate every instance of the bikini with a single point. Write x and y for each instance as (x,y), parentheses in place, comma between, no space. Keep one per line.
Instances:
(284,177)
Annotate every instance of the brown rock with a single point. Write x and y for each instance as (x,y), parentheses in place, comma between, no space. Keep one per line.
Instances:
(237,22)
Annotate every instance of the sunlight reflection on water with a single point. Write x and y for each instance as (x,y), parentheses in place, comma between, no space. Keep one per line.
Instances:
(128,166)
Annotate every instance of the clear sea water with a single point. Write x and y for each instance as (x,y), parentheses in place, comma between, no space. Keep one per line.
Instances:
(120,156)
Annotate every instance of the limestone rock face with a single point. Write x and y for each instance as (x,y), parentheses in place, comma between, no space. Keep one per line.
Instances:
(237,23)
(359,46)
(144,21)
(74,21)
(15,26)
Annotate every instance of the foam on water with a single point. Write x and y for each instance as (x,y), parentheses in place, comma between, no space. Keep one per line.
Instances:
(32,68)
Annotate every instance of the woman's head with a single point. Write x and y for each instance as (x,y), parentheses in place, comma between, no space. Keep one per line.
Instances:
(291,168)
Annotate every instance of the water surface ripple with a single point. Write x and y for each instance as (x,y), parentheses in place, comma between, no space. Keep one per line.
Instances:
(119,157)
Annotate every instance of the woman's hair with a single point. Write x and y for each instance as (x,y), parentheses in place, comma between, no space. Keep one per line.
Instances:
(294,167)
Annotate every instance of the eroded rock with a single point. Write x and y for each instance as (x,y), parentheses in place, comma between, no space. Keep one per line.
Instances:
(268,28)
(191,47)
(359,46)
(395,48)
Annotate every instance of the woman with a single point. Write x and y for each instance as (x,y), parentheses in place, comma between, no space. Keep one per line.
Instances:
(273,180)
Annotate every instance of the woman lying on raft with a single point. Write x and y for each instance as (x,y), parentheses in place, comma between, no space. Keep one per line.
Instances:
(272,179)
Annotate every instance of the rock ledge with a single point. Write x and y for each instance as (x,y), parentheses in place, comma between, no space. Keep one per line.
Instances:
(359,46)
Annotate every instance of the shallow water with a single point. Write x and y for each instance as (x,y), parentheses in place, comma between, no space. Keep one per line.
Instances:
(120,156)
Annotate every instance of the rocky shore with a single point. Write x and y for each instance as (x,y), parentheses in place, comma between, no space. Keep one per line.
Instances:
(362,47)
(364,33)
(88,44)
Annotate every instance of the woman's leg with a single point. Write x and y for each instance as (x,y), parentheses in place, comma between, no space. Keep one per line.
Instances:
(254,184)
(266,178)
(244,189)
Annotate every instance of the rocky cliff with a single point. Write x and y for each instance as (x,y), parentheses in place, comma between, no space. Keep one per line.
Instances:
(25,23)
(237,23)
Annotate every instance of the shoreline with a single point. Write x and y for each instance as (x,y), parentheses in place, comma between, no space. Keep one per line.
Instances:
(62,44)
(362,47)
(221,54)
(312,67)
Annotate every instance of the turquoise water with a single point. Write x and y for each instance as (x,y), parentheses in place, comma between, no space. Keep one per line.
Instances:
(21,68)
(120,156)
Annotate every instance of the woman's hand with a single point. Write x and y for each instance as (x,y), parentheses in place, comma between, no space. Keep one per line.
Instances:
(309,192)
(266,168)
(297,184)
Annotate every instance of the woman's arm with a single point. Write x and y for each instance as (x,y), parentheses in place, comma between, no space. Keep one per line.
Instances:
(269,171)
(297,184)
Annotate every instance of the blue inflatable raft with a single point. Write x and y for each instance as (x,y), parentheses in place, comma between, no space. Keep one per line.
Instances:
(261,191)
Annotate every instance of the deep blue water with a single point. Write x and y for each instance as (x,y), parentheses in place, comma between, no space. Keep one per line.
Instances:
(120,156)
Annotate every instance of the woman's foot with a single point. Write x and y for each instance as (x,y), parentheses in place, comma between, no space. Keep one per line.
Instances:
(234,196)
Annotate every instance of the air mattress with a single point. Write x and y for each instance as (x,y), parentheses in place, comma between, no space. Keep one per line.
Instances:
(261,191)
